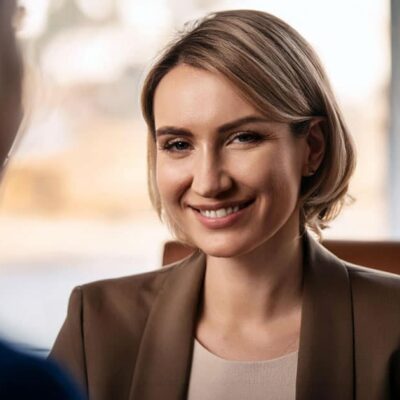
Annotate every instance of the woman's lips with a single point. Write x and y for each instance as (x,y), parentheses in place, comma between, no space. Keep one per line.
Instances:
(225,221)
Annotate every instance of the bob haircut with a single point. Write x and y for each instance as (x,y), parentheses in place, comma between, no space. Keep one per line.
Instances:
(278,72)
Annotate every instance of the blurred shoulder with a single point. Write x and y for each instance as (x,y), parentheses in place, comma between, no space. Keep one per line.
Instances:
(24,376)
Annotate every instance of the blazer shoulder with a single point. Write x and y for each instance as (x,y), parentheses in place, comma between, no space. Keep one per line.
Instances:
(137,280)
(373,277)
(375,290)
(139,288)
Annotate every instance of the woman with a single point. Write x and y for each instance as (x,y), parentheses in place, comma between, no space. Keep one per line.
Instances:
(248,151)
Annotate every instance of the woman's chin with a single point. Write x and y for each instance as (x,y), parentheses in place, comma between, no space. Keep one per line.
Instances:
(222,250)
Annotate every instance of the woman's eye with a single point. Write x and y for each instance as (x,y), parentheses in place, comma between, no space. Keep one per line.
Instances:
(178,145)
(247,137)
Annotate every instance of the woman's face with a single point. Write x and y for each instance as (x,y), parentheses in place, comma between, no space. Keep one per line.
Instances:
(228,178)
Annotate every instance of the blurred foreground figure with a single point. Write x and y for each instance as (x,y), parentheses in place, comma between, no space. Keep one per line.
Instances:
(21,376)
(26,377)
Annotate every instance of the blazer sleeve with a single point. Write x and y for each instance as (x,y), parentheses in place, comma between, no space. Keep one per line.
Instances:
(69,347)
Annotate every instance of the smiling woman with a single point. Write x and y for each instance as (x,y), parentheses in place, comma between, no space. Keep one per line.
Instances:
(283,81)
(227,155)
(248,152)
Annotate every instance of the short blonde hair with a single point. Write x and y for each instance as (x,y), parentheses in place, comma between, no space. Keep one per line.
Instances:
(278,72)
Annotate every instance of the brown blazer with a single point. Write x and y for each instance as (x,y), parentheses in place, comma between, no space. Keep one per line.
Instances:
(132,338)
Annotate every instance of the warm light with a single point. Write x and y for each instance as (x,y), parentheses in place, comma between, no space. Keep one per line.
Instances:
(86,55)
(96,9)
(35,18)
(148,18)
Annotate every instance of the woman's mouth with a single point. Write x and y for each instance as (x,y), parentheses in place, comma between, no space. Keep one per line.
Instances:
(217,217)
(223,211)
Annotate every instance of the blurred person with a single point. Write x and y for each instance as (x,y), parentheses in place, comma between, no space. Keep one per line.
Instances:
(21,376)
(248,155)
(27,377)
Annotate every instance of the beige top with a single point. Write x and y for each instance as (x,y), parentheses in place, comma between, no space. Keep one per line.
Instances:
(213,378)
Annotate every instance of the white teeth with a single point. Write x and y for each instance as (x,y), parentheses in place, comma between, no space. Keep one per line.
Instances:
(220,213)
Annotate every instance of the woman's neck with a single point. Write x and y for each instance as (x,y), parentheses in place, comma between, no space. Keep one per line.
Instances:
(256,288)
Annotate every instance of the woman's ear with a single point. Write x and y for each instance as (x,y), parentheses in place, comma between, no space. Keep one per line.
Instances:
(315,141)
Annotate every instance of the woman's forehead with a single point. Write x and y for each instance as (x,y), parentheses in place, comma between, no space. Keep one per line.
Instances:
(188,95)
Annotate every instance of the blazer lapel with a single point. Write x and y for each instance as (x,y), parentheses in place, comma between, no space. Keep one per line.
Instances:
(163,365)
(325,366)
(326,354)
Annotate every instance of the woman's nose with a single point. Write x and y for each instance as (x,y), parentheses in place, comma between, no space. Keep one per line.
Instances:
(210,177)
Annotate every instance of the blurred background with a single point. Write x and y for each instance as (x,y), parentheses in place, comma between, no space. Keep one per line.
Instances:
(74,204)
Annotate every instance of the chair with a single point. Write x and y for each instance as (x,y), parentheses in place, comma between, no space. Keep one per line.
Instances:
(381,255)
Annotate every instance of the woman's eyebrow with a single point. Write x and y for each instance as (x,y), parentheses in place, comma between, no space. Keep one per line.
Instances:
(172,130)
(241,121)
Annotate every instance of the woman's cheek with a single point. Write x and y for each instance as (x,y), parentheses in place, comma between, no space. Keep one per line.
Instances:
(172,181)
